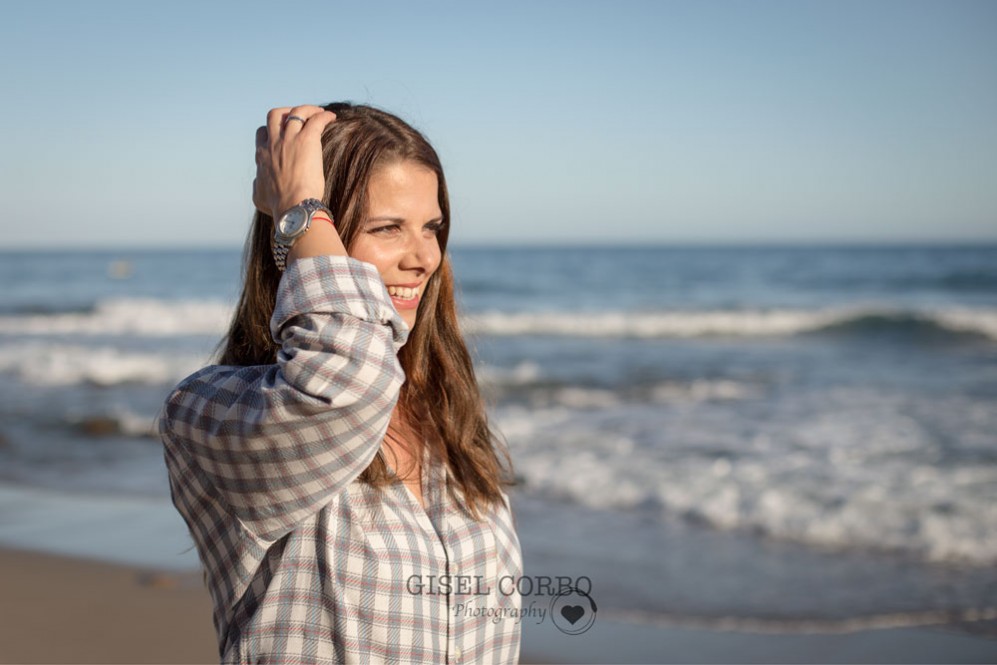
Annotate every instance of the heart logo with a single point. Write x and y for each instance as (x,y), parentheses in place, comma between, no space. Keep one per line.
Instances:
(572,613)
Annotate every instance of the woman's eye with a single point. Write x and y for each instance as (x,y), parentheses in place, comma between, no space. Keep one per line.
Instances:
(386,230)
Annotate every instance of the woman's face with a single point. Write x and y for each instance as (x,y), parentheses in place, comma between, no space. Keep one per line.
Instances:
(399,235)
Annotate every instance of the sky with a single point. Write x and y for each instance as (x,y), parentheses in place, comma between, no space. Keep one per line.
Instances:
(131,124)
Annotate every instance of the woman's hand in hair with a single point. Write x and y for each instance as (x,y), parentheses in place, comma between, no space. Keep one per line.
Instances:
(289,159)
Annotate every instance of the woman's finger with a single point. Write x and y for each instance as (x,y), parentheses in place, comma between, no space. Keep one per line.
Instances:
(297,118)
(262,196)
(318,122)
(305,110)
(292,125)
(275,117)
(262,146)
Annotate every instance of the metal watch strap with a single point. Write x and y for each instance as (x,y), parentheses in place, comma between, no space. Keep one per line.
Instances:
(281,249)
(313,206)
(280,255)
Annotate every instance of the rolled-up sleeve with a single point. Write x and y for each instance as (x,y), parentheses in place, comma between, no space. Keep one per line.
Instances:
(278,441)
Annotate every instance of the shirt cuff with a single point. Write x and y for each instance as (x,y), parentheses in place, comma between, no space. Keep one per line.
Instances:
(333,284)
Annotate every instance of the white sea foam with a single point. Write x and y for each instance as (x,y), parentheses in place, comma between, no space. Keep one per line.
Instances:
(647,325)
(65,364)
(841,470)
(523,372)
(740,323)
(128,316)
(699,390)
(966,319)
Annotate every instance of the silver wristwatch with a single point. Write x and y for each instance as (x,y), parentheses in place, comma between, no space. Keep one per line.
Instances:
(292,225)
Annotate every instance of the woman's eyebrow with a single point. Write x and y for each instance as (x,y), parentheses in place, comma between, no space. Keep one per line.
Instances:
(400,220)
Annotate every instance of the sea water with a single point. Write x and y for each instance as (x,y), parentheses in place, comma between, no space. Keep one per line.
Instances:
(747,436)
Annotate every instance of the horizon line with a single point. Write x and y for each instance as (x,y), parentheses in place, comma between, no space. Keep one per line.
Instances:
(540,244)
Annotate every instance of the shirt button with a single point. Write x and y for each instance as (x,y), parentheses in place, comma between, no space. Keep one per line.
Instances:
(457,652)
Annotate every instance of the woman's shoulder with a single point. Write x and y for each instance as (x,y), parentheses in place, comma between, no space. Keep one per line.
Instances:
(217,376)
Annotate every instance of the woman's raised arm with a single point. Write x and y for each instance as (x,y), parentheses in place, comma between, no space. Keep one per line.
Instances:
(276,442)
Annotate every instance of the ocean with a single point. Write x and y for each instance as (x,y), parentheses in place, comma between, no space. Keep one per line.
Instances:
(766,438)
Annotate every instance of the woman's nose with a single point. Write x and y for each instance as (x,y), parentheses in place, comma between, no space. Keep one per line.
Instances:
(422,252)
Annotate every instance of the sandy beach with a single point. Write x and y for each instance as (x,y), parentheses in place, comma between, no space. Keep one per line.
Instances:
(58,609)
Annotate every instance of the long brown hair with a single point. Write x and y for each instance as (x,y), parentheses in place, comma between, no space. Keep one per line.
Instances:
(440,398)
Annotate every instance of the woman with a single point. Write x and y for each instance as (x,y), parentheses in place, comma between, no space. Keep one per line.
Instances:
(336,468)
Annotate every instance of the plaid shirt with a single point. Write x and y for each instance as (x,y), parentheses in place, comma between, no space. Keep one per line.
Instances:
(305,563)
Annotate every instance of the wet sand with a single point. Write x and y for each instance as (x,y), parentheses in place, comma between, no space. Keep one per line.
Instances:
(56,609)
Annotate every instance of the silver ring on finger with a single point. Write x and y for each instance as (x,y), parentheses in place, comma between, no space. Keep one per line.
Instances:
(294,117)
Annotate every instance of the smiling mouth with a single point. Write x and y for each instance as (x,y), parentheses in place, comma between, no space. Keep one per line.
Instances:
(403,292)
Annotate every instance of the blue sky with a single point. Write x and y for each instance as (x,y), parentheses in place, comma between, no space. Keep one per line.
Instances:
(132,123)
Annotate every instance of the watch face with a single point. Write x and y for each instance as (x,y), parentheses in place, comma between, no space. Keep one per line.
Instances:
(292,223)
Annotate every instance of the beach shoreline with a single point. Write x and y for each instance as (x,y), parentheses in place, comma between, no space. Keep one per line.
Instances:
(62,609)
